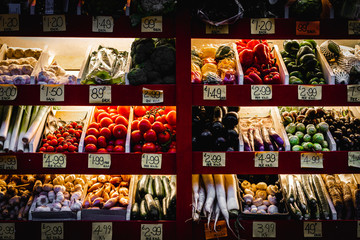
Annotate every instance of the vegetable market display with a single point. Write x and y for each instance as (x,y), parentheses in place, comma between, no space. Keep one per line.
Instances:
(54,74)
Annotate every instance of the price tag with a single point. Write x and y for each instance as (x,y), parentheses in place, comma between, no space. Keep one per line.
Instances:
(101,231)
(312,229)
(51,231)
(308,28)
(212,29)
(309,92)
(267,159)
(221,230)
(262,25)
(54,160)
(101,161)
(8,163)
(100,94)
(14,8)
(152,161)
(103,24)
(151,24)
(312,160)
(354,27)
(54,23)
(152,96)
(9,22)
(7,230)
(264,229)
(358,229)
(49,6)
(261,92)
(353,93)
(8,92)
(214,92)
(354,159)
(151,232)
(52,93)
(213,159)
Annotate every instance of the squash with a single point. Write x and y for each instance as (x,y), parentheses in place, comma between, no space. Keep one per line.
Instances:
(196,60)
(209,67)
(207,51)
(211,78)
(224,51)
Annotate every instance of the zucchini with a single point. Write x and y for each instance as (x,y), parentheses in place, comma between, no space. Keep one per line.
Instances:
(135,211)
(137,193)
(143,183)
(316,212)
(301,199)
(321,197)
(153,212)
(164,208)
(143,210)
(159,188)
(158,206)
(308,190)
(295,210)
(150,189)
(291,189)
(166,184)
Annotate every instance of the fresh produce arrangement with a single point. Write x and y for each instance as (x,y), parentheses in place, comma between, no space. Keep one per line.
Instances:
(153,129)
(16,71)
(153,61)
(258,62)
(214,64)
(54,74)
(306,9)
(301,62)
(155,198)
(215,128)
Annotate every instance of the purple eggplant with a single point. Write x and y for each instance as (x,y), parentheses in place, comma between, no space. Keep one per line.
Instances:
(266,138)
(258,142)
(251,138)
(276,137)
(247,147)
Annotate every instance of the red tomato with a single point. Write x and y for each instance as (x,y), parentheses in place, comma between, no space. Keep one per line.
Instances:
(137,148)
(144,125)
(74,124)
(167,126)
(111,126)
(94,125)
(65,146)
(134,125)
(50,149)
(148,148)
(118,148)
(45,145)
(90,148)
(109,148)
(42,149)
(72,148)
(97,112)
(54,142)
(122,120)
(106,121)
(151,118)
(113,116)
(171,117)
(119,131)
(124,111)
(71,131)
(101,142)
(120,141)
(105,132)
(136,136)
(90,139)
(158,127)
(172,150)
(161,119)
(164,137)
(169,108)
(150,135)
(102,107)
(139,111)
(102,150)
(112,110)
(102,115)
(59,148)
(91,131)
(49,136)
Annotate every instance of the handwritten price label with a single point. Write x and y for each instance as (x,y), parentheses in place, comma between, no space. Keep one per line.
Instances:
(54,160)
(211,159)
(151,232)
(101,161)
(52,93)
(9,22)
(221,230)
(264,230)
(308,28)
(354,159)
(353,93)
(50,231)
(99,94)
(212,29)
(151,24)
(7,231)
(312,229)
(261,92)
(262,26)
(54,23)
(214,92)
(309,92)
(267,159)
(354,27)
(8,92)
(8,163)
(152,161)
(152,96)
(102,231)
(102,24)
(312,160)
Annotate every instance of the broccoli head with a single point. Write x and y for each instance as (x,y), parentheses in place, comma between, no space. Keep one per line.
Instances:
(137,76)
(142,45)
(153,77)
(164,59)
(170,79)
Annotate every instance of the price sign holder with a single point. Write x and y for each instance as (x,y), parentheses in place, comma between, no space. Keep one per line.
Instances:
(100,94)
(214,92)
(353,93)
(102,24)
(261,92)
(309,92)
(221,230)
(54,23)
(8,162)
(312,160)
(264,229)
(151,232)
(353,27)
(262,25)
(52,93)
(8,92)
(151,161)
(9,22)
(51,231)
(152,24)
(354,159)
(152,96)
(266,159)
(7,231)
(312,229)
(100,161)
(54,160)
(212,29)
(308,28)
(102,231)
(213,159)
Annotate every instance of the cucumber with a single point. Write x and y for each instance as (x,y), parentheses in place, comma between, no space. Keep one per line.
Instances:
(150,189)
(143,182)
(308,190)
(143,210)
(166,184)
(159,188)
(164,208)
(321,197)
(135,211)
(153,212)
(158,205)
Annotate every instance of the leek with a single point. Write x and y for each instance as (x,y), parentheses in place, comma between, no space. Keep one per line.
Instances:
(5,122)
(35,125)
(24,127)
(10,129)
(15,133)
(1,145)
(34,113)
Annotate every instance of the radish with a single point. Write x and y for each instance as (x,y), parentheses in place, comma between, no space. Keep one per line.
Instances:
(195,188)
(217,214)
(232,201)
(210,192)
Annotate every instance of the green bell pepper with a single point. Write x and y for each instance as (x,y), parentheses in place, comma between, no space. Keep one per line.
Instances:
(291,46)
(303,50)
(287,60)
(296,74)
(305,43)
(295,80)
(293,67)
(315,79)
(312,42)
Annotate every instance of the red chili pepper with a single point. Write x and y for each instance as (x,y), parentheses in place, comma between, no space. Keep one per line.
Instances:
(246,57)
(262,53)
(248,80)
(255,78)
(272,78)
(252,69)
(252,44)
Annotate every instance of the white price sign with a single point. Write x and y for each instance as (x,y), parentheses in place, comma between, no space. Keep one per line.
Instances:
(99,94)
(8,163)
(152,161)
(151,232)
(102,24)
(54,23)
(50,231)
(213,159)
(261,92)
(101,161)
(312,160)
(267,159)
(354,27)
(151,24)
(54,160)
(354,159)
(7,231)
(102,231)
(212,29)
(312,229)
(262,26)
(9,22)
(8,92)
(214,92)
(353,93)
(264,230)
(14,8)
(152,96)
(52,93)
(309,92)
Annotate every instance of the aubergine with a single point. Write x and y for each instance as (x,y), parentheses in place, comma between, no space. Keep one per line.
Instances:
(205,140)
(232,138)
(217,127)
(266,138)
(251,138)
(247,146)
(220,144)
(230,120)
(275,136)
(258,142)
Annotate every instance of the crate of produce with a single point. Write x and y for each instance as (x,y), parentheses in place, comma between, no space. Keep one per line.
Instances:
(262,197)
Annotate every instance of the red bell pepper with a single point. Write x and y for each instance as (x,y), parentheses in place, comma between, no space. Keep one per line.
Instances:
(248,80)
(272,78)
(250,45)
(240,49)
(262,53)
(252,69)
(246,57)
(256,78)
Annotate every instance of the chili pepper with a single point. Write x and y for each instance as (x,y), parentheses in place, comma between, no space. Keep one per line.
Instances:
(195,77)
(252,69)
(248,80)
(262,53)
(272,78)
(256,78)
(241,42)
(246,57)
(250,45)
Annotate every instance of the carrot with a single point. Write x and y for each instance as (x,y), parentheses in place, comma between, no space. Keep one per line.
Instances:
(232,201)
(210,192)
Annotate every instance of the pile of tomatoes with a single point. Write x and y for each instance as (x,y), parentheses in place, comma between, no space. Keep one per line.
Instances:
(153,129)
(64,139)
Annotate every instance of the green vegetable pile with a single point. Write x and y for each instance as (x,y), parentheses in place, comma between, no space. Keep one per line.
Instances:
(306,9)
